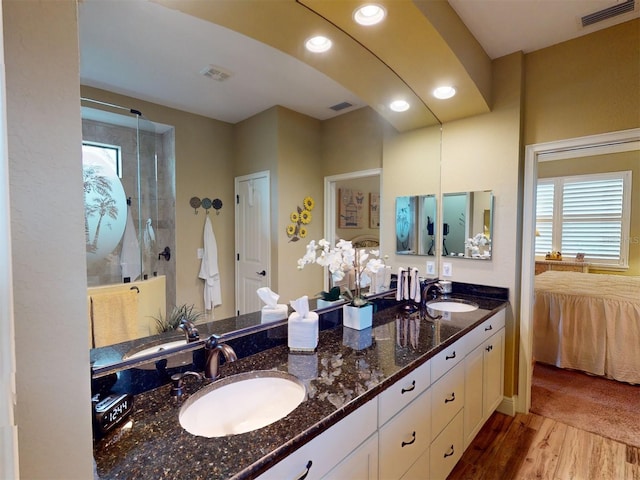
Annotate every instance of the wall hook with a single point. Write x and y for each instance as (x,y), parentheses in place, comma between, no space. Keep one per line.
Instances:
(195,203)
(206,204)
(166,253)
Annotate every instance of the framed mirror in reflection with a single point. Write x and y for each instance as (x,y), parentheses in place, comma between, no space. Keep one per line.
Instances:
(467,223)
(416,225)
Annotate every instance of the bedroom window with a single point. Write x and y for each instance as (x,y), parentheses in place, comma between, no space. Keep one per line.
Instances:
(585,213)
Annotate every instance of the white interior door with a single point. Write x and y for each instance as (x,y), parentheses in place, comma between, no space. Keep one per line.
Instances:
(253,245)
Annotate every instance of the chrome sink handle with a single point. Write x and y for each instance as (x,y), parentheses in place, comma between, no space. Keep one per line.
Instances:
(213,349)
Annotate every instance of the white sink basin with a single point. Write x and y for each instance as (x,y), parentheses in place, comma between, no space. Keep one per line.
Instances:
(454,306)
(172,362)
(241,403)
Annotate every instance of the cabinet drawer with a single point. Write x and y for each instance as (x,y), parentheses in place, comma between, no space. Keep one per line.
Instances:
(401,393)
(419,470)
(361,464)
(446,449)
(405,438)
(490,326)
(329,448)
(447,399)
(448,358)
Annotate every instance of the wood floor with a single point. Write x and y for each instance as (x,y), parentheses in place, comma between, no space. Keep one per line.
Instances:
(534,447)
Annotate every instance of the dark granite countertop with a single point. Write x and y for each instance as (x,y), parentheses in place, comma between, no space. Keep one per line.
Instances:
(349,368)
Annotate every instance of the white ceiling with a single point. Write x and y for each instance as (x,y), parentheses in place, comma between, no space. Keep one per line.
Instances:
(147,51)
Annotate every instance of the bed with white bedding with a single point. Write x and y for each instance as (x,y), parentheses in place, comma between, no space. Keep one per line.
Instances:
(588,322)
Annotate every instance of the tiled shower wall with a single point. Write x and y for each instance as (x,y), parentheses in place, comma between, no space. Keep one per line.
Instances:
(157,198)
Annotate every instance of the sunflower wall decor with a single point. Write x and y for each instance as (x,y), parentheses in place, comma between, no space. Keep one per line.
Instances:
(299,220)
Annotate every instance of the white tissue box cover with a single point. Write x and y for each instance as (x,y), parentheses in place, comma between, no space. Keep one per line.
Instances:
(357,318)
(303,332)
(273,314)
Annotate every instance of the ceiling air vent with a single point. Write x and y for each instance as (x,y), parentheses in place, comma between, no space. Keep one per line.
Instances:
(618,9)
(215,73)
(340,106)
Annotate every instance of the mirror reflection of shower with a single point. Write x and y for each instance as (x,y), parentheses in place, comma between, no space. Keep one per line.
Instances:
(128,180)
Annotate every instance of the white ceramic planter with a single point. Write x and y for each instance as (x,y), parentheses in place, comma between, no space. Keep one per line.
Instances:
(357,318)
(320,303)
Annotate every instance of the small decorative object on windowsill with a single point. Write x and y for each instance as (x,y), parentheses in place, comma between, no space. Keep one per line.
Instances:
(299,219)
(340,260)
(579,257)
(553,256)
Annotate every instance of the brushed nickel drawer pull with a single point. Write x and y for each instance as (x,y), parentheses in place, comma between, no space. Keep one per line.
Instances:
(453,397)
(409,389)
(450,357)
(410,442)
(449,454)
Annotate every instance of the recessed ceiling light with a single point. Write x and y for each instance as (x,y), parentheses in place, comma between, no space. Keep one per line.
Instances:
(318,44)
(444,92)
(369,14)
(399,106)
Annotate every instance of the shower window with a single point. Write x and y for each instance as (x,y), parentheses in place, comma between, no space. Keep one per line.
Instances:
(111,154)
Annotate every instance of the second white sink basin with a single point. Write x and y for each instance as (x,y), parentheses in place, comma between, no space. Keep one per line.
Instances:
(241,403)
(172,362)
(455,306)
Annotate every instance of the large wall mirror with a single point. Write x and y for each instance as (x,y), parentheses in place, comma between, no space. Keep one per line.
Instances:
(416,225)
(429,149)
(467,222)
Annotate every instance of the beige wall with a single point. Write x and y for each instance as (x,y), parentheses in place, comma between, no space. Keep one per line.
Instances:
(484,153)
(53,411)
(613,162)
(584,86)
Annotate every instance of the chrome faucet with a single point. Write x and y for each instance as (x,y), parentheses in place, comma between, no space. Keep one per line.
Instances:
(213,349)
(190,331)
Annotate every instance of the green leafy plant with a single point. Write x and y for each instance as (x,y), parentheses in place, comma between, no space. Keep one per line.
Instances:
(176,315)
(332,295)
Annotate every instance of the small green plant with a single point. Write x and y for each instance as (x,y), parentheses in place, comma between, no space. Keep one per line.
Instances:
(332,295)
(176,315)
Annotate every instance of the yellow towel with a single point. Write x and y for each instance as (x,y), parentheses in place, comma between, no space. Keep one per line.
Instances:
(114,317)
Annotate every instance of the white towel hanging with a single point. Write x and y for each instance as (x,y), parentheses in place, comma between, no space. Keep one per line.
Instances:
(209,268)
(130,253)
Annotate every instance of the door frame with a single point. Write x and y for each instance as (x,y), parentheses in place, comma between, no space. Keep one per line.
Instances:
(557,150)
(236,182)
(331,204)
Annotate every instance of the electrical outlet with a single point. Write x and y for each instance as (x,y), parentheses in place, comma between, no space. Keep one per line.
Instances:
(447,269)
(431,268)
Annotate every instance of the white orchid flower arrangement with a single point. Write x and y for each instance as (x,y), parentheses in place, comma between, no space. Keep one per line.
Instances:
(340,260)
(474,244)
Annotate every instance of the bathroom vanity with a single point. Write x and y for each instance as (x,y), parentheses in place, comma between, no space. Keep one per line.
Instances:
(403,400)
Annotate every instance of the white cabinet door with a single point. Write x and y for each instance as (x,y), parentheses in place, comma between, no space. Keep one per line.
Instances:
(473,394)
(447,449)
(493,377)
(405,437)
(447,399)
(362,464)
(323,453)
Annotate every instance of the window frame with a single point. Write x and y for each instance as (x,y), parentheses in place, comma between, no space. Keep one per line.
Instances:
(107,146)
(557,220)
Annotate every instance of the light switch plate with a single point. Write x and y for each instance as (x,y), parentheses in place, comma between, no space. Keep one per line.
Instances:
(447,270)
(200,253)
(431,268)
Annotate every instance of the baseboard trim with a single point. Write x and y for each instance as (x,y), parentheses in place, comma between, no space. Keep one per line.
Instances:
(507,406)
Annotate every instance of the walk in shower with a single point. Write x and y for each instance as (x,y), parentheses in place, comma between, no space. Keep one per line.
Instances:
(129,189)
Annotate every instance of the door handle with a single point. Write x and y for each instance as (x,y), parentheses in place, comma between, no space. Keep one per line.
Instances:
(262,273)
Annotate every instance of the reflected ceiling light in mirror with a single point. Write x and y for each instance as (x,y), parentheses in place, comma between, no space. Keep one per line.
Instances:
(444,92)
(399,105)
(369,14)
(318,44)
